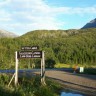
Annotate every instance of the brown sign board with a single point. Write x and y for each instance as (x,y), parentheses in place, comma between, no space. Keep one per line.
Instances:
(29,47)
(29,54)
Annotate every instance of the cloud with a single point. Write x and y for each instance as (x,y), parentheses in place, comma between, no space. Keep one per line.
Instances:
(5,16)
(4,2)
(29,15)
(74,10)
(88,10)
(25,15)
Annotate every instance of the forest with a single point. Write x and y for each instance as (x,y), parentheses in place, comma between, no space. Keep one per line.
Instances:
(60,46)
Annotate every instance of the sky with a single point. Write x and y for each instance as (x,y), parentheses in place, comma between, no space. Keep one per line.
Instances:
(22,16)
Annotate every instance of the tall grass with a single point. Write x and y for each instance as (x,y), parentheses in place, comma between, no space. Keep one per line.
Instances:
(28,87)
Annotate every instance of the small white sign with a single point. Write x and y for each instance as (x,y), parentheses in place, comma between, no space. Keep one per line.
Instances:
(81,69)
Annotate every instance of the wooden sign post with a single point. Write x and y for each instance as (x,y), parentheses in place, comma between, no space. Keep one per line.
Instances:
(30,54)
(43,69)
(16,69)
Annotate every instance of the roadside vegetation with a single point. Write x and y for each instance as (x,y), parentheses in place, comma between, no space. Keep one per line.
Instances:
(90,71)
(87,69)
(28,87)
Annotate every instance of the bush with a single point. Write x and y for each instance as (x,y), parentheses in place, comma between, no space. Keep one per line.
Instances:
(90,71)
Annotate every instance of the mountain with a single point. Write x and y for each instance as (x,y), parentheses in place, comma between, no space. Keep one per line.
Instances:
(91,24)
(50,33)
(4,33)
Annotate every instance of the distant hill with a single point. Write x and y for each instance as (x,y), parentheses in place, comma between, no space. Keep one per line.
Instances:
(53,34)
(4,33)
(50,33)
(91,24)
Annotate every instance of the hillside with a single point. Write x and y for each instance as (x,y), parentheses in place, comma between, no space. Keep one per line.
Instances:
(4,33)
(60,46)
(51,33)
(91,24)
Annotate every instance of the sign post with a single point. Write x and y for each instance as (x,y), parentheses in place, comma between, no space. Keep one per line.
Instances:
(30,54)
(41,71)
(16,69)
(43,68)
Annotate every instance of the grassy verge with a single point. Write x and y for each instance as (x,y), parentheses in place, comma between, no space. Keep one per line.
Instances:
(59,65)
(62,66)
(28,87)
(87,69)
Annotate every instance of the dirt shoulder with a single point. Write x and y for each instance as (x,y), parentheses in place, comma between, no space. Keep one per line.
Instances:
(83,83)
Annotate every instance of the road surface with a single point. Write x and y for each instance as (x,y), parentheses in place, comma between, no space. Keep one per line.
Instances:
(80,82)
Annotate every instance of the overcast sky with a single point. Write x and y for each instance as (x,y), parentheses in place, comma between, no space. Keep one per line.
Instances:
(21,16)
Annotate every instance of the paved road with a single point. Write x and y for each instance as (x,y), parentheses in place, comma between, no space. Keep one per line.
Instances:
(34,70)
(81,82)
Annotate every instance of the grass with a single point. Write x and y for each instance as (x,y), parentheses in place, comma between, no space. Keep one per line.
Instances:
(60,65)
(67,65)
(28,87)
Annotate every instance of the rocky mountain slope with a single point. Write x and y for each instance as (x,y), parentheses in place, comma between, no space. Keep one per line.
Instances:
(91,24)
(4,33)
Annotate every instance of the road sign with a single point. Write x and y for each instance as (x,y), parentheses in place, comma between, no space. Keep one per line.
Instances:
(29,54)
(29,47)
